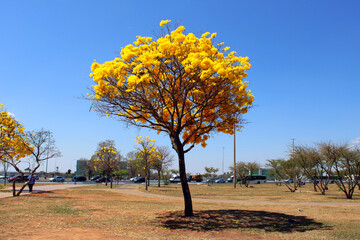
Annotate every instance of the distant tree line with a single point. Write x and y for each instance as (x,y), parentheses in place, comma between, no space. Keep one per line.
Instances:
(323,163)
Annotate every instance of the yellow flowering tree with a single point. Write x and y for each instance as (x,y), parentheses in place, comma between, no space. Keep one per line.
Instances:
(13,143)
(12,138)
(106,159)
(146,154)
(180,84)
(16,144)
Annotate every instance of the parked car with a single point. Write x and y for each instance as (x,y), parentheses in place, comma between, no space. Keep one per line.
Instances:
(210,180)
(219,180)
(57,179)
(79,178)
(197,178)
(18,178)
(230,179)
(102,179)
(7,177)
(288,181)
(175,179)
(95,178)
(139,180)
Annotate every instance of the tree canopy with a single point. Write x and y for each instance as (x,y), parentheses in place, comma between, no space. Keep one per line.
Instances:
(14,144)
(176,84)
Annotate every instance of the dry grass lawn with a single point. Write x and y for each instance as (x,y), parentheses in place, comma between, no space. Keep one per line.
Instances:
(259,192)
(95,213)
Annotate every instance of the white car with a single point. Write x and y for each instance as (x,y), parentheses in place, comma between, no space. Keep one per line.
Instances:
(57,179)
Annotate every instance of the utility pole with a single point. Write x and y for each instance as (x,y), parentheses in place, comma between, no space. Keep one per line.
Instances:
(223,162)
(234,156)
(293,144)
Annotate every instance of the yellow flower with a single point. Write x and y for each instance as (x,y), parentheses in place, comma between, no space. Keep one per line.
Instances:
(164,22)
(205,35)
(226,48)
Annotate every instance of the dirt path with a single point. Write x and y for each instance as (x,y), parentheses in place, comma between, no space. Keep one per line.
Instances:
(134,190)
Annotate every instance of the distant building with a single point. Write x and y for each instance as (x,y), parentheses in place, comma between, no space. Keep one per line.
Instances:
(82,167)
(264,171)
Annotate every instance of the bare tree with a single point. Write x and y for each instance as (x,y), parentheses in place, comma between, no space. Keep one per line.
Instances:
(131,164)
(42,148)
(251,167)
(241,172)
(346,165)
(165,159)
(289,170)
(313,166)
(275,170)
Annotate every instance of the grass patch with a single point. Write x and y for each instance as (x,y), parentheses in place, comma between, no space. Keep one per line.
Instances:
(100,186)
(261,192)
(64,210)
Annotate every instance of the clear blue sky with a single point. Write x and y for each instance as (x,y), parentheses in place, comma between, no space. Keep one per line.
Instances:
(304,55)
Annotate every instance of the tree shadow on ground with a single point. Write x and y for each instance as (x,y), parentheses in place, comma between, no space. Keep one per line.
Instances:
(210,220)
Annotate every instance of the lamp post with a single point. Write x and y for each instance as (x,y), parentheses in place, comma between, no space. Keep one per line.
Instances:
(223,162)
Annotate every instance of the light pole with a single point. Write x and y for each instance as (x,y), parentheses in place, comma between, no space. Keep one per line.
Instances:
(223,162)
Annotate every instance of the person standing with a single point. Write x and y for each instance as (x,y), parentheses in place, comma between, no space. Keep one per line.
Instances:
(31,183)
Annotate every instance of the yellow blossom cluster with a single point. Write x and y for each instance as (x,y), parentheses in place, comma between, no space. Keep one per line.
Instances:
(147,149)
(13,143)
(105,158)
(177,82)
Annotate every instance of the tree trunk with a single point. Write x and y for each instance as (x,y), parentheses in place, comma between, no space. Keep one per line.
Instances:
(14,189)
(182,171)
(315,189)
(5,172)
(146,173)
(111,180)
(159,176)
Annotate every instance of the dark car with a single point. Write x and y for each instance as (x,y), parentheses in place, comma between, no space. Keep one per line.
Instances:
(102,179)
(95,178)
(18,178)
(79,178)
(219,180)
(211,180)
(139,179)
